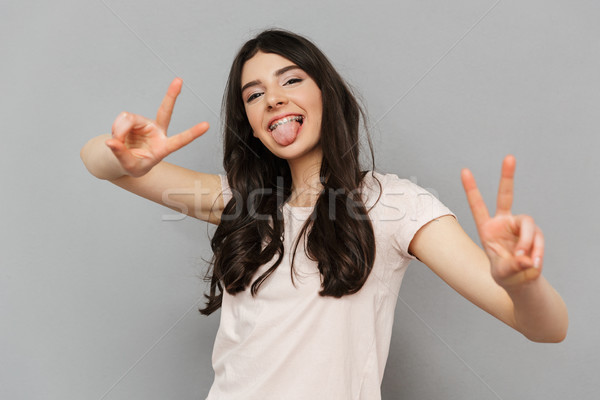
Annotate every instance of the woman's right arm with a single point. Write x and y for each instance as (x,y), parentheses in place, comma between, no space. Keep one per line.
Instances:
(131,157)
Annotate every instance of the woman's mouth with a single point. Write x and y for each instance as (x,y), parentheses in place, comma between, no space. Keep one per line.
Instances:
(286,129)
(286,120)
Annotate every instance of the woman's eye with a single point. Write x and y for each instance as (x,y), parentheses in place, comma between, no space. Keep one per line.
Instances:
(252,97)
(293,80)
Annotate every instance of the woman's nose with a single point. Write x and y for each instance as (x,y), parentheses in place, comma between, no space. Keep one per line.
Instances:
(276,99)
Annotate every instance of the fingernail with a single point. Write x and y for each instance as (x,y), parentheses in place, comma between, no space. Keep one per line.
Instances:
(537,262)
(520,252)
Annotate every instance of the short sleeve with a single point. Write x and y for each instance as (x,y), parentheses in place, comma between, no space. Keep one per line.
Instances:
(408,207)
(225,189)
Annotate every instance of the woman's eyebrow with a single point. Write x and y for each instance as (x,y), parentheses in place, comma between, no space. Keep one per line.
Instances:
(277,73)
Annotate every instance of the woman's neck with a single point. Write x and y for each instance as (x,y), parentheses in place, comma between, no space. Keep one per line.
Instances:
(306,185)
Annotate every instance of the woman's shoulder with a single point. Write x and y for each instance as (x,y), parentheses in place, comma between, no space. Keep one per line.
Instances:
(388,183)
(387,191)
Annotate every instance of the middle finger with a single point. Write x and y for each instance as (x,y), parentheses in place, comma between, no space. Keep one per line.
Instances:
(163,116)
(506,188)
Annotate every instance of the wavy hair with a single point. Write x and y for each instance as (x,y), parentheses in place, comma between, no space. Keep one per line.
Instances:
(342,242)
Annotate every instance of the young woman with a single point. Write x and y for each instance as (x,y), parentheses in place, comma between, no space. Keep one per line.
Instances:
(310,250)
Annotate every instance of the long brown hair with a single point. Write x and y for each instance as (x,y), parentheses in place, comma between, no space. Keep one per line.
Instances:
(342,243)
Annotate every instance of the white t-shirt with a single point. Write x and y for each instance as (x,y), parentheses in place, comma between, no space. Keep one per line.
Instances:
(289,343)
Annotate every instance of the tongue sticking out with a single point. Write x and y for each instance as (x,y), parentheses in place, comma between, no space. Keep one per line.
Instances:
(286,134)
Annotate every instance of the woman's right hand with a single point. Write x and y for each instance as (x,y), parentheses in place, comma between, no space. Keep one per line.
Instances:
(140,143)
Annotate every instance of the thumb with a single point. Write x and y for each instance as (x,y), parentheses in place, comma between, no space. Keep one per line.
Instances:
(120,151)
(115,145)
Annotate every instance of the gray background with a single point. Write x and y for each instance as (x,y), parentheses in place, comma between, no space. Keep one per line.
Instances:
(98,294)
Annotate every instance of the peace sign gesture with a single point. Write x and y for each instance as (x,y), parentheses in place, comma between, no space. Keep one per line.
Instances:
(140,143)
(513,243)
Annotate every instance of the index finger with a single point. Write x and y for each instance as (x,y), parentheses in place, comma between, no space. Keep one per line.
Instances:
(163,116)
(506,188)
(478,207)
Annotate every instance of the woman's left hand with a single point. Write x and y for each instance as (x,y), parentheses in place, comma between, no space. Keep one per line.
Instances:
(513,243)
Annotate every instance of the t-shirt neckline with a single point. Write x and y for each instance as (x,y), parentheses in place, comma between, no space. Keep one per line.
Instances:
(295,208)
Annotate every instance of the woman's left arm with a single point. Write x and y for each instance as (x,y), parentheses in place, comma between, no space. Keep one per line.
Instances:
(504,278)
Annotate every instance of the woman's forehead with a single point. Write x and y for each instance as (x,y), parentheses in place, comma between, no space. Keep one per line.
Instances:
(261,66)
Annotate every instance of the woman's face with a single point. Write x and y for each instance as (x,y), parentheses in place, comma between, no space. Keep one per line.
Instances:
(283,104)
